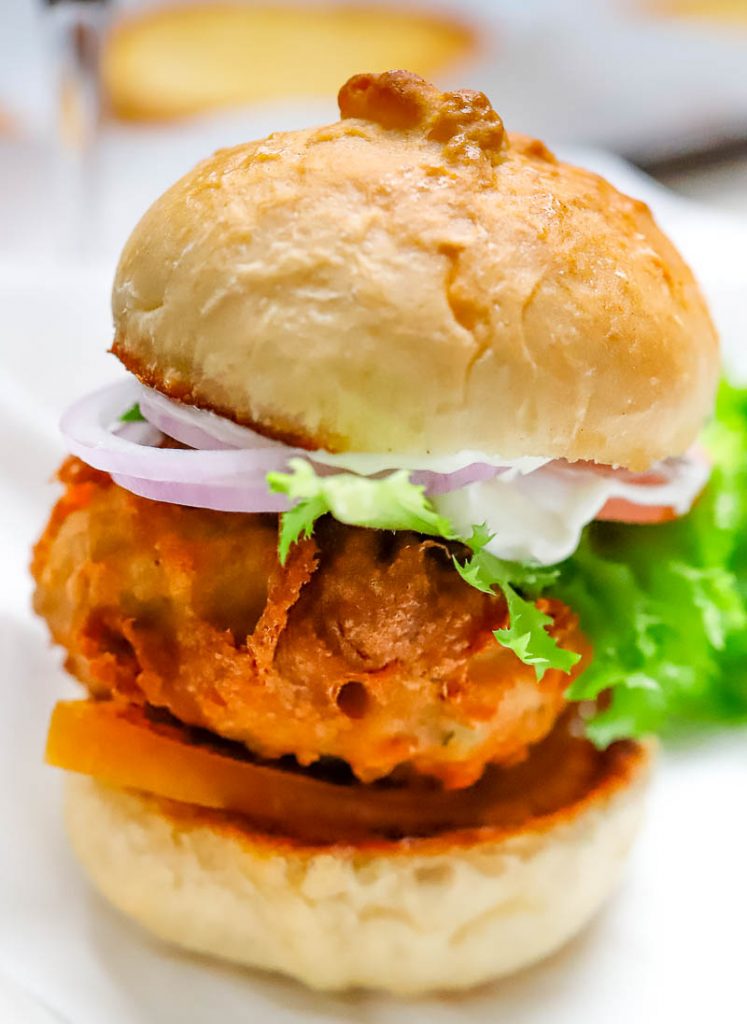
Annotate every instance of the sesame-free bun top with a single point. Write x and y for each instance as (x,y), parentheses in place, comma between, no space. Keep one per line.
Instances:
(410,916)
(414,279)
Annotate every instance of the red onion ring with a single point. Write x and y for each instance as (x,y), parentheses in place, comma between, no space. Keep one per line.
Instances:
(202,429)
(442,483)
(94,432)
(238,498)
(225,466)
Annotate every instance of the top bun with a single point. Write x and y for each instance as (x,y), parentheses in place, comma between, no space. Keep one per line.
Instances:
(414,279)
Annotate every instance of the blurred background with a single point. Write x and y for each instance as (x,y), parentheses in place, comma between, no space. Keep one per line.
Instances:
(102,106)
(104,103)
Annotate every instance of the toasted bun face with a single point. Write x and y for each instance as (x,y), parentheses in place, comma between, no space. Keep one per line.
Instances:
(408,917)
(414,279)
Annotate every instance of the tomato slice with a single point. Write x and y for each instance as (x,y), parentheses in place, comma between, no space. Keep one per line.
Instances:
(628,510)
(123,746)
(620,510)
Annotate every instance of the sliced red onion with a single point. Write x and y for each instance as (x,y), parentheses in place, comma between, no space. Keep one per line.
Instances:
(95,434)
(442,483)
(200,428)
(672,483)
(226,465)
(222,498)
(140,434)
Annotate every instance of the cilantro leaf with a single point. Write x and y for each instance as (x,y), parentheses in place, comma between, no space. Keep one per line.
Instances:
(133,415)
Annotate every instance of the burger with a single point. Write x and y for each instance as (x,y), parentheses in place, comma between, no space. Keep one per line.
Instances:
(390,551)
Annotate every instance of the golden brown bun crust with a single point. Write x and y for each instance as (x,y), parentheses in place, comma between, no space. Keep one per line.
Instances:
(413,279)
(407,916)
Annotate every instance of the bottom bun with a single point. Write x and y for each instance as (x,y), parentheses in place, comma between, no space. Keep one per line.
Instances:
(406,916)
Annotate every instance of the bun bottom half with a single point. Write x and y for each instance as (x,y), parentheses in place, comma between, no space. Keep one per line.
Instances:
(405,916)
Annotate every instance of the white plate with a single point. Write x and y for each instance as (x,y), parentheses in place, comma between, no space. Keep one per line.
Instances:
(668,948)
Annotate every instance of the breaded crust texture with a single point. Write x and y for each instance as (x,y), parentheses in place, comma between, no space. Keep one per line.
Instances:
(413,278)
(365,646)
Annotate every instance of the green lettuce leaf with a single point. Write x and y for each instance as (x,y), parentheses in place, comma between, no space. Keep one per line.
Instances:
(526,634)
(528,638)
(665,606)
(388,503)
(132,415)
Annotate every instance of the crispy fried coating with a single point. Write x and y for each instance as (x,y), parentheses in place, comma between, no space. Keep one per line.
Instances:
(366,646)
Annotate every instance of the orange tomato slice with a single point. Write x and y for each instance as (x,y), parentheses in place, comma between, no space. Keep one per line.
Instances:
(625,510)
(123,746)
(620,510)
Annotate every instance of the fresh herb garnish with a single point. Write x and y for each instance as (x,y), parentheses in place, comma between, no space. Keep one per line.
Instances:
(133,415)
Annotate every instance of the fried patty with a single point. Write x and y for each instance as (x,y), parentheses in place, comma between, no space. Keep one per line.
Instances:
(366,645)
